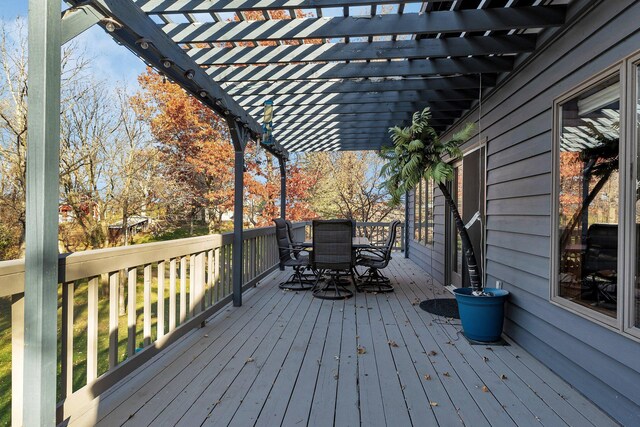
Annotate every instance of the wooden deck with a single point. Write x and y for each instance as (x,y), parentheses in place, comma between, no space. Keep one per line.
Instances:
(286,358)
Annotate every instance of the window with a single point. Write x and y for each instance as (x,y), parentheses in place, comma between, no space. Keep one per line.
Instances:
(589,199)
(596,225)
(423,212)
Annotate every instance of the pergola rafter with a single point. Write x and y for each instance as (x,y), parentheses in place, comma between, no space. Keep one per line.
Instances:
(363,98)
(205,6)
(338,70)
(468,20)
(273,88)
(404,49)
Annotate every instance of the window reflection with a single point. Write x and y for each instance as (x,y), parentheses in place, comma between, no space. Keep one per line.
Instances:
(589,198)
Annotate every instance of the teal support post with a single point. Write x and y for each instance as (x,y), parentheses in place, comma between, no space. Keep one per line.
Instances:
(239,137)
(41,262)
(238,214)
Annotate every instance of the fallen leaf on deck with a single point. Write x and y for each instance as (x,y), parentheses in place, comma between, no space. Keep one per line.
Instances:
(433,403)
(392,343)
(361,350)
(249,360)
(503,377)
(485,388)
(427,377)
(433,353)
(485,358)
(446,374)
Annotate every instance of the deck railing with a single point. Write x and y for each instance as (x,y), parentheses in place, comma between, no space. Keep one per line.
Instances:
(120,306)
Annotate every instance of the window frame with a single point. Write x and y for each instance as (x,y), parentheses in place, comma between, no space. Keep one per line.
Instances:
(629,139)
(632,135)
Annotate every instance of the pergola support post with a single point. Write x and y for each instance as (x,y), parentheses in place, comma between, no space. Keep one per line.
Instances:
(41,240)
(283,187)
(239,137)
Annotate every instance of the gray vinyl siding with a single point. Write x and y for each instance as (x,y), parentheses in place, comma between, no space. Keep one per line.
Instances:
(517,122)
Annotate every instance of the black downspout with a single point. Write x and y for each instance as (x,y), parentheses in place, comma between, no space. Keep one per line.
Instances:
(283,187)
(406,224)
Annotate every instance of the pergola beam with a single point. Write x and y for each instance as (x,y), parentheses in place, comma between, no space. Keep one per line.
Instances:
(359,98)
(344,118)
(209,6)
(404,49)
(136,26)
(422,67)
(468,20)
(390,107)
(274,88)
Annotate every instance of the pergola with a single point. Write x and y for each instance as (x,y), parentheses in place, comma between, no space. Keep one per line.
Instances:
(339,73)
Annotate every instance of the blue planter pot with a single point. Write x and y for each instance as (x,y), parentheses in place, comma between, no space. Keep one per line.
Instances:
(482,317)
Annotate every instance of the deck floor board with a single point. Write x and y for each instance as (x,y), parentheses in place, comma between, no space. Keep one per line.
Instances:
(288,359)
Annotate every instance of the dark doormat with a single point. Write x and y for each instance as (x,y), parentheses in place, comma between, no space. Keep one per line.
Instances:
(446,307)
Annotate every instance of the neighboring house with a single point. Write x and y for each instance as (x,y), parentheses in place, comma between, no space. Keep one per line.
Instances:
(135,225)
(555,170)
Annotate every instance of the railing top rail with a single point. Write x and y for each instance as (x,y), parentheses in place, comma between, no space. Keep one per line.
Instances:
(80,265)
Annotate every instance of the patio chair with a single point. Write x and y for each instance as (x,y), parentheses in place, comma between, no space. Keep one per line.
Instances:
(290,257)
(601,263)
(332,252)
(300,251)
(375,258)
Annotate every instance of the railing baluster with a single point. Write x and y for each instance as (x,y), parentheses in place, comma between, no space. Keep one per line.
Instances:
(131,311)
(160,309)
(172,294)
(66,358)
(209,289)
(192,284)
(252,253)
(199,283)
(216,277)
(17,357)
(146,310)
(92,329)
(114,283)
(223,271)
(183,289)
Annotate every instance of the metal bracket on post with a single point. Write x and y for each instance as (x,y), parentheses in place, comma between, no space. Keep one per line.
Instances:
(79,19)
(283,187)
(240,136)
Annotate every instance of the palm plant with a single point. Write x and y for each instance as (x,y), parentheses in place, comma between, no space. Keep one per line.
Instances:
(417,153)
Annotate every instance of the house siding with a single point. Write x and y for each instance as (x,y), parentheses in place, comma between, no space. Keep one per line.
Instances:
(517,122)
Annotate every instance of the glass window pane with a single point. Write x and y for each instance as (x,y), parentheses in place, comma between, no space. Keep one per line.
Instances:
(589,197)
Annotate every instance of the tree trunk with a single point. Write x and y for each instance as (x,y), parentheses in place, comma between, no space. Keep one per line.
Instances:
(566,234)
(467,248)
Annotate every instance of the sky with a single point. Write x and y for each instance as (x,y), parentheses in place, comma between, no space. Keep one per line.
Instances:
(111,62)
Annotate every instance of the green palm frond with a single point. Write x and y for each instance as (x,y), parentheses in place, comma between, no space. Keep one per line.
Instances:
(417,153)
